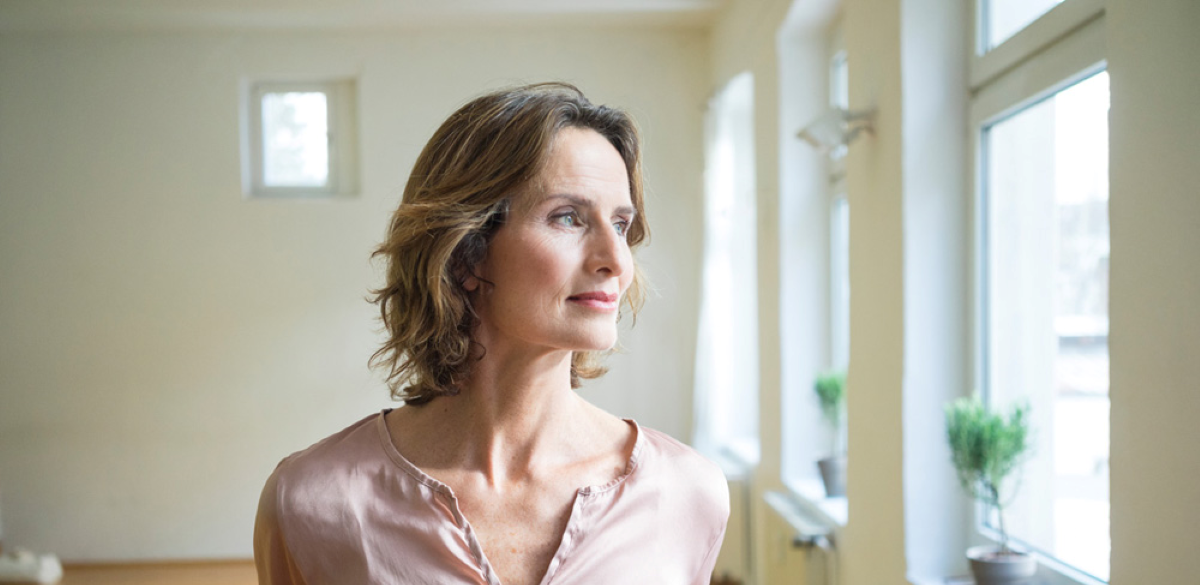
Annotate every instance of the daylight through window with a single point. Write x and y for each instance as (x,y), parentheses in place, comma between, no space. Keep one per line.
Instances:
(1046,254)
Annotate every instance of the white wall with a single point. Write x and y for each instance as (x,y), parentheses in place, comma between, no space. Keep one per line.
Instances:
(166,342)
(933,55)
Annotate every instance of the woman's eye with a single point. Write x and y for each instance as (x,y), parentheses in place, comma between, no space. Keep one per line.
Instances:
(568,219)
(622,227)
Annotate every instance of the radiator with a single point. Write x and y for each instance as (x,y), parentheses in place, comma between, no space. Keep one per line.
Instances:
(798,548)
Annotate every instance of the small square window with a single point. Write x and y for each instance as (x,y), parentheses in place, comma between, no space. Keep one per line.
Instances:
(298,140)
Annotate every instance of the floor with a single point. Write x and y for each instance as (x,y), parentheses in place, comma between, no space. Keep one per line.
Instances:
(184,573)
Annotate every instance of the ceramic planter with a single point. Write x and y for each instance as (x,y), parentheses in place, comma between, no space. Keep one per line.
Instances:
(833,473)
(990,567)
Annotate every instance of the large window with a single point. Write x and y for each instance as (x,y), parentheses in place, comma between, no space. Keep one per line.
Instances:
(817,282)
(1047,312)
(727,344)
(1042,286)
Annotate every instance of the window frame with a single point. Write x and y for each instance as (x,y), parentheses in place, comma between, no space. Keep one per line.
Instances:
(1063,47)
(340,103)
(984,65)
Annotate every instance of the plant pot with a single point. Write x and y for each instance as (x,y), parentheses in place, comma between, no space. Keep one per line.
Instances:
(991,567)
(833,473)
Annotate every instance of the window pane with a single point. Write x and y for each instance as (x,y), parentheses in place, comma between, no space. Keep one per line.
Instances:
(839,227)
(839,98)
(1005,18)
(839,281)
(1046,328)
(295,139)
(839,81)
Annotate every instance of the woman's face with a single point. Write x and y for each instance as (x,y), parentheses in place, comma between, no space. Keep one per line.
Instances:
(560,264)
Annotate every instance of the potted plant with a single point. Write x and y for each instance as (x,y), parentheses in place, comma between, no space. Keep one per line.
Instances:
(986,447)
(831,392)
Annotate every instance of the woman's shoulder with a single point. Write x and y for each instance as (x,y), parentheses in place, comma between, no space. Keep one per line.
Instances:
(682,469)
(341,449)
(314,504)
(327,466)
(679,455)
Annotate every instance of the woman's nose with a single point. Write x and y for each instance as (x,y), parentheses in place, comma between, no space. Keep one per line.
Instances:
(608,251)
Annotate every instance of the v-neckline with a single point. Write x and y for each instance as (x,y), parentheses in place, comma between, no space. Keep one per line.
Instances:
(570,531)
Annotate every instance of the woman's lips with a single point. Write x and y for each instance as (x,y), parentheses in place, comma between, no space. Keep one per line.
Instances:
(596,300)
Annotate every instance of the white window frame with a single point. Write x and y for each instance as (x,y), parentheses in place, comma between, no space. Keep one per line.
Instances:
(340,101)
(1060,21)
(1061,48)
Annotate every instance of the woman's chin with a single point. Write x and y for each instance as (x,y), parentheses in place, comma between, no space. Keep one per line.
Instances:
(598,342)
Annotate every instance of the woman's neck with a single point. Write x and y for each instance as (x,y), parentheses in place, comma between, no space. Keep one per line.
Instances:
(513,418)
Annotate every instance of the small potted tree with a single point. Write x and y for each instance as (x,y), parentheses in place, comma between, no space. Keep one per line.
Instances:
(831,392)
(986,447)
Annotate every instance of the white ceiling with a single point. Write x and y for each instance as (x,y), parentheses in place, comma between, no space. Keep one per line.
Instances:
(36,15)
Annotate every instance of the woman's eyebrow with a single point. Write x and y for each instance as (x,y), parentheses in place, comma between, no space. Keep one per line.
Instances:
(588,203)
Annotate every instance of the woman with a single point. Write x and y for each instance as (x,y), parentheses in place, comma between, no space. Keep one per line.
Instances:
(508,261)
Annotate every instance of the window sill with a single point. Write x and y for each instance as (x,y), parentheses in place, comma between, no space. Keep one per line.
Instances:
(810,494)
(736,464)
(1049,572)
(810,530)
(1039,579)
(737,460)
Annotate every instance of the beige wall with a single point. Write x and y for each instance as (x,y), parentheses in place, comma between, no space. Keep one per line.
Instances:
(1154,210)
(874,543)
(165,342)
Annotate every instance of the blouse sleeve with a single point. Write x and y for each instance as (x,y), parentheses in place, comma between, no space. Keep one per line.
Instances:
(718,494)
(271,555)
(710,560)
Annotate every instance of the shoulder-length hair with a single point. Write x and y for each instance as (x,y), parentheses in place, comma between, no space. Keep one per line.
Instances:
(457,196)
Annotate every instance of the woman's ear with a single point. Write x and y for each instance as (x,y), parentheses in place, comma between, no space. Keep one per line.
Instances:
(470,283)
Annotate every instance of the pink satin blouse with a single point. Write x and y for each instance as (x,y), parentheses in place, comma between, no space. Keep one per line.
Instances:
(351,510)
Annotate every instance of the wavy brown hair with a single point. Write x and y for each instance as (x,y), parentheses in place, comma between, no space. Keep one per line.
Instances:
(458,195)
